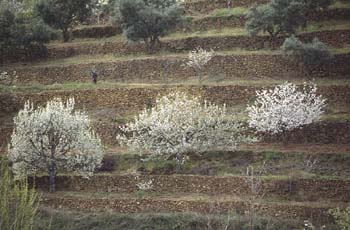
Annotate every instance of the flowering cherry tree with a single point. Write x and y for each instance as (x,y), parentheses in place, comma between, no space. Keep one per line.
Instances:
(285,108)
(198,59)
(178,124)
(52,138)
(97,11)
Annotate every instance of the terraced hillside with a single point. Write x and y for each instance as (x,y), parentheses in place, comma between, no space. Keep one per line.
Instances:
(302,180)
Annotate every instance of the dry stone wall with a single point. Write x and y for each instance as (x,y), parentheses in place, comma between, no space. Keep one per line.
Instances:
(209,23)
(222,67)
(126,101)
(337,38)
(205,6)
(317,214)
(298,190)
(334,38)
(203,24)
(97,31)
(135,99)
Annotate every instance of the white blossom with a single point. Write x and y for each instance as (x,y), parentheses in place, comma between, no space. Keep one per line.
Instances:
(198,59)
(99,8)
(145,186)
(54,135)
(179,123)
(285,108)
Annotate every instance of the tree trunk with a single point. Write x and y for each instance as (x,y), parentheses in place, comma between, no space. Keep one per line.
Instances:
(178,163)
(251,218)
(152,45)
(199,74)
(52,175)
(65,33)
(273,42)
(284,137)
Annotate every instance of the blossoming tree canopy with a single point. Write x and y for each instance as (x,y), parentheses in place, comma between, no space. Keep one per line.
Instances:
(52,138)
(285,108)
(180,123)
(198,59)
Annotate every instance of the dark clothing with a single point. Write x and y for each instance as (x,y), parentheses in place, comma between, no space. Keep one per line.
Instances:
(94,77)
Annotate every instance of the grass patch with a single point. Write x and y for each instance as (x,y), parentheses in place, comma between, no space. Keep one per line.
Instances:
(326,25)
(223,163)
(67,220)
(340,5)
(312,27)
(227,12)
(163,55)
(210,80)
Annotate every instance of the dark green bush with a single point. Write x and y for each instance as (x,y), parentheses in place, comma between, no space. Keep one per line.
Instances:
(314,53)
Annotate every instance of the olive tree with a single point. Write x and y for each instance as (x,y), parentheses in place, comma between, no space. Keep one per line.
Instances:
(63,14)
(276,18)
(148,20)
(282,17)
(178,124)
(314,6)
(52,138)
(285,108)
(19,30)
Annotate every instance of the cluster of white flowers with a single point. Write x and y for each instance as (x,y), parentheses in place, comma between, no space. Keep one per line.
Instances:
(198,58)
(179,123)
(4,77)
(54,135)
(145,186)
(98,9)
(285,108)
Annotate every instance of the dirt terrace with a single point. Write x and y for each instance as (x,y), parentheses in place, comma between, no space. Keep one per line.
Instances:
(211,205)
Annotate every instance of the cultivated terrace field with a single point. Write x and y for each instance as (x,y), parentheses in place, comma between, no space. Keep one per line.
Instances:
(278,182)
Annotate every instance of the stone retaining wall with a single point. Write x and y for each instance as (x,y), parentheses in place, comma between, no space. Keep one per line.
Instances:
(299,190)
(205,6)
(333,38)
(221,67)
(97,31)
(209,23)
(336,38)
(204,23)
(316,214)
(135,99)
(132,100)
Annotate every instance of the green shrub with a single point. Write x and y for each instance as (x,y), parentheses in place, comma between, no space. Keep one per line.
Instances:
(18,203)
(314,53)
(341,217)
